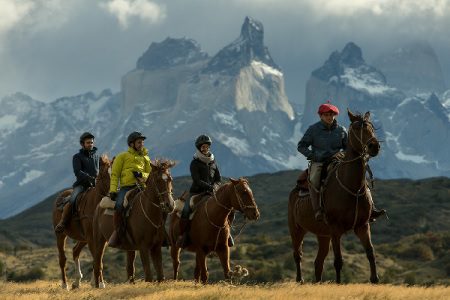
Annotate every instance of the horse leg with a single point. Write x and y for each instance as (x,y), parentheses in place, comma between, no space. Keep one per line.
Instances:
(145,259)
(201,265)
(324,248)
(338,262)
(175,254)
(197,271)
(157,262)
(224,256)
(76,259)
(131,257)
(297,235)
(363,234)
(99,251)
(61,243)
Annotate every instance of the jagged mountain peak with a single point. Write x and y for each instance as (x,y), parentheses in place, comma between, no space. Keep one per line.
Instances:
(248,47)
(171,52)
(351,55)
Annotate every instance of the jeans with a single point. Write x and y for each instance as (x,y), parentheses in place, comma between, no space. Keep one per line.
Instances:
(121,197)
(187,208)
(315,171)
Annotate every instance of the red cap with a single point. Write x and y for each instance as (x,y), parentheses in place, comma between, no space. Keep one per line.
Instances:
(328,107)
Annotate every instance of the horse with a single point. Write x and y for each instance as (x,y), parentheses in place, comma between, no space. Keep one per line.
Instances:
(80,228)
(346,202)
(210,228)
(144,228)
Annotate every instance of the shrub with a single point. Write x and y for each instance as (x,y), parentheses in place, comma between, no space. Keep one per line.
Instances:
(34,273)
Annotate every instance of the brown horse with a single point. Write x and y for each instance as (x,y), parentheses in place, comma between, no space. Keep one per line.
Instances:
(346,202)
(80,228)
(145,225)
(210,228)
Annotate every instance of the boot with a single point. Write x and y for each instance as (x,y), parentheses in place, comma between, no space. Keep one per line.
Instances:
(183,238)
(65,217)
(375,213)
(315,201)
(115,239)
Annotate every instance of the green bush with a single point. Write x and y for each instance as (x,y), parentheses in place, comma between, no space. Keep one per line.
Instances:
(33,274)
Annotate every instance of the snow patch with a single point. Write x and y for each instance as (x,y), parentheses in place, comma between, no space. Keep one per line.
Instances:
(418,159)
(30,176)
(96,106)
(262,70)
(366,82)
(9,123)
(238,146)
(228,119)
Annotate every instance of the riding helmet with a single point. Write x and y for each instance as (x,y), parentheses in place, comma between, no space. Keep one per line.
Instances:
(135,136)
(86,135)
(203,139)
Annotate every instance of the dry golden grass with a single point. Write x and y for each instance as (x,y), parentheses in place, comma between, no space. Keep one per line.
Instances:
(190,290)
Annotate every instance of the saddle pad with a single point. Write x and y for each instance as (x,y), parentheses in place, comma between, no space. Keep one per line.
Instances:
(179,205)
(107,203)
(109,212)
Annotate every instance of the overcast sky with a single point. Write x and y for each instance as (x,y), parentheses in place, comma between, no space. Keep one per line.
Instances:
(55,48)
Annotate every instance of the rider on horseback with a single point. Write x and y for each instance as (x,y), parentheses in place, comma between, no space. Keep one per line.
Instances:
(205,180)
(131,168)
(85,166)
(326,138)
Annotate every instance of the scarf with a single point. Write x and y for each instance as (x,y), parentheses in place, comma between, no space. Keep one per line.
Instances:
(206,159)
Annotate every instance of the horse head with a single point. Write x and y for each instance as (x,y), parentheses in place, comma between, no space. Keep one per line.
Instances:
(160,182)
(244,200)
(104,174)
(361,135)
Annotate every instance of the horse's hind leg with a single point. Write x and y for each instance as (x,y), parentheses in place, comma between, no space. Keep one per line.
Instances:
(338,261)
(324,248)
(175,254)
(76,259)
(297,235)
(61,243)
(145,259)
(201,265)
(156,255)
(363,234)
(131,257)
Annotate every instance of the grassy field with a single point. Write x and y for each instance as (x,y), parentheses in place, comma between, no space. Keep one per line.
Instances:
(190,290)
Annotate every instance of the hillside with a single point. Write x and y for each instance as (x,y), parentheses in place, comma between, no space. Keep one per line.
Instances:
(412,245)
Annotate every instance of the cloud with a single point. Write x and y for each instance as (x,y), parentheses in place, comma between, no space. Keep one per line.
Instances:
(145,10)
(12,12)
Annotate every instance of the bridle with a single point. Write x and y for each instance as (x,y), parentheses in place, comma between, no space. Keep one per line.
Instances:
(242,205)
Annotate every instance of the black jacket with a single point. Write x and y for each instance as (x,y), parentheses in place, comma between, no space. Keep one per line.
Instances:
(86,167)
(204,176)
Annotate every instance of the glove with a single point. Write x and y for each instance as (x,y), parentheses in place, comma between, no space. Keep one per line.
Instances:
(113,196)
(137,174)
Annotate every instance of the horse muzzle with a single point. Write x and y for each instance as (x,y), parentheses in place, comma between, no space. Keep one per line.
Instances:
(373,149)
(252,213)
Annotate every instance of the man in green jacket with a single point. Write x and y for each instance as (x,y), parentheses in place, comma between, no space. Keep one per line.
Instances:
(130,168)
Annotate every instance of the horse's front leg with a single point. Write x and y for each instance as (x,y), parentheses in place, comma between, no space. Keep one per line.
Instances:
(131,256)
(61,243)
(145,259)
(201,267)
(76,259)
(157,262)
(324,248)
(224,256)
(338,261)
(363,234)
(175,254)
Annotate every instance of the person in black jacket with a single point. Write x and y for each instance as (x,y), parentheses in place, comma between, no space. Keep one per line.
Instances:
(85,166)
(205,179)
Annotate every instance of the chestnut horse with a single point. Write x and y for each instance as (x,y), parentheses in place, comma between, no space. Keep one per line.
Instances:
(80,228)
(210,229)
(144,228)
(346,202)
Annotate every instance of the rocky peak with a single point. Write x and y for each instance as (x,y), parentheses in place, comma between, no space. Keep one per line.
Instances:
(248,47)
(171,52)
(434,105)
(350,56)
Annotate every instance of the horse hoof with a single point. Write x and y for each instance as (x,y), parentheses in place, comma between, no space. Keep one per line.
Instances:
(101,285)
(75,285)
(64,286)
(300,280)
(375,279)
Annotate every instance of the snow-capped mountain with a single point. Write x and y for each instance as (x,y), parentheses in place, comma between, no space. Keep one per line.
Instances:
(176,93)
(415,128)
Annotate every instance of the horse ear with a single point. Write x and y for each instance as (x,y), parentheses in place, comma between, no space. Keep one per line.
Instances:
(367,116)
(153,165)
(351,116)
(234,181)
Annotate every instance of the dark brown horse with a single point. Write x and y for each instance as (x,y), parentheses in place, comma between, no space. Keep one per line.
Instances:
(210,229)
(346,201)
(80,226)
(145,225)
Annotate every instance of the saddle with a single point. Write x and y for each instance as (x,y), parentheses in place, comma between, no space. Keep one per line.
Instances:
(194,202)
(109,205)
(61,201)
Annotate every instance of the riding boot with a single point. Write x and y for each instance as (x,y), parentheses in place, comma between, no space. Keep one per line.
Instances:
(183,238)
(230,222)
(115,239)
(65,217)
(315,202)
(375,213)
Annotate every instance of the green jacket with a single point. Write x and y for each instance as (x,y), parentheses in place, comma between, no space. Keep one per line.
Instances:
(124,165)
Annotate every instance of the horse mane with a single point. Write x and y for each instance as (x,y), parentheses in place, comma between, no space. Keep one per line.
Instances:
(104,159)
(164,163)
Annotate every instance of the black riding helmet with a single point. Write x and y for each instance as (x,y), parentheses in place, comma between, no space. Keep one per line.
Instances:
(86,135)
(134,136)
(203,139)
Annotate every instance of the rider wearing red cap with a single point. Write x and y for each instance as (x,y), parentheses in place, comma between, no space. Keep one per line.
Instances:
(325,138)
